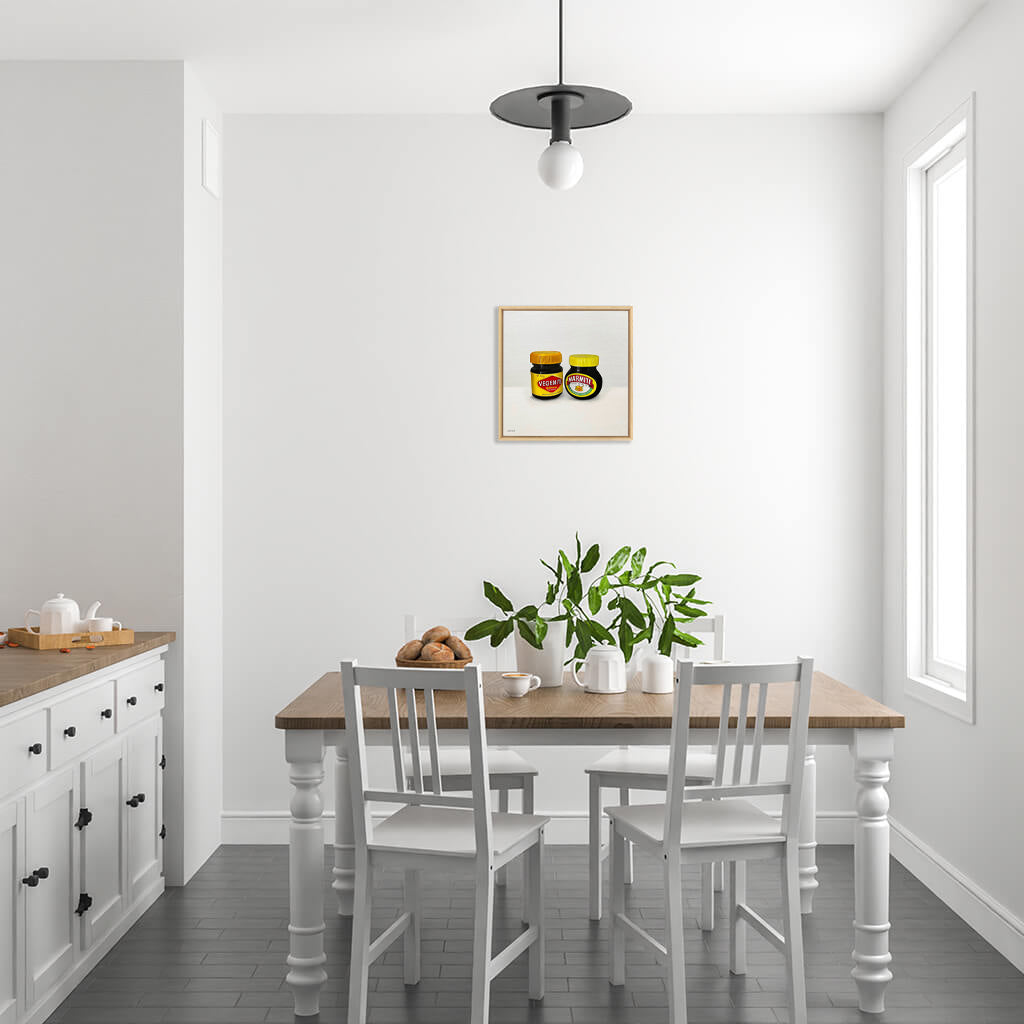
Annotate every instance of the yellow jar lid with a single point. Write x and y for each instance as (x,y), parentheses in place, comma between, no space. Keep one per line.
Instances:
(544,358)
(583,360)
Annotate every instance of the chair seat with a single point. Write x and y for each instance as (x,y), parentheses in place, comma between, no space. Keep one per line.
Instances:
(730,822)
(449,830)
(455,761)
(653,761)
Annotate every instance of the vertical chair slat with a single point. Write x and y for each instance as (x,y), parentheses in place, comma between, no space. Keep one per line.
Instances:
(741,733)
(755,757)
(723,734)
(414,739)
(396,741)
(435,753)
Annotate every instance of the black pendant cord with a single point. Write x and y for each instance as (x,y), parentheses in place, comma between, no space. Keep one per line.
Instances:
(560,42)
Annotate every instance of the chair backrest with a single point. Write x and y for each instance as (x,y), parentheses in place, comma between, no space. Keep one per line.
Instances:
(741,730)
(490,659)
(400,686)
(713,624)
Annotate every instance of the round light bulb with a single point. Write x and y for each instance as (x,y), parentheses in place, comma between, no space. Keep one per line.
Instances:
(560,165)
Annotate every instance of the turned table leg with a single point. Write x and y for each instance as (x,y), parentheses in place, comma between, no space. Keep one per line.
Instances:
(344,835)
(304,752)
(872,751)
(808,843)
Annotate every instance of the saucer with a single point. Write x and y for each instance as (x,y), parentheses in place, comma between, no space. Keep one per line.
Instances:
(514,696)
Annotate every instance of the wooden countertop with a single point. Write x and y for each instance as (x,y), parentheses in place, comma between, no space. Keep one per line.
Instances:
(24,672)
(833,706)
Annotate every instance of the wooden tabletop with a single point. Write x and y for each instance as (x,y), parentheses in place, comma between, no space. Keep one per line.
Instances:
(833,706)
(24,671)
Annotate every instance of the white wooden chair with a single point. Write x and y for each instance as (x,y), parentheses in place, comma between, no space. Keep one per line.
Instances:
(509,771)
(435,831)
(646,769)
(718,822)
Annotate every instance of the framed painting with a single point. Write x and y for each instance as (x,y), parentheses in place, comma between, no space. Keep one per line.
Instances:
(565,373)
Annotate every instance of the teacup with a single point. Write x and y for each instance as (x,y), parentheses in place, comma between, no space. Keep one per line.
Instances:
(519,684)
(102,624)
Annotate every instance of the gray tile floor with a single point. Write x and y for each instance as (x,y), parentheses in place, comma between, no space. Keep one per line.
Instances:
(214,952)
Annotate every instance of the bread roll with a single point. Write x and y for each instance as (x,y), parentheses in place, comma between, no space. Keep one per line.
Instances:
(459,648)
(411,650)
(436,635)
(436,652)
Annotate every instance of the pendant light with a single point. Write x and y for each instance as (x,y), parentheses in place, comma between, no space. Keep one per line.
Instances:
(560,108)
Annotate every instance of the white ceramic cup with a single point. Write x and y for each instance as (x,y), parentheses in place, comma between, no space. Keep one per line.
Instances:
(103,624)
(519,684)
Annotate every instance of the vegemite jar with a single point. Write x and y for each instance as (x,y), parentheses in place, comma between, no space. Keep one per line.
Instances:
(546,374)
(583,379)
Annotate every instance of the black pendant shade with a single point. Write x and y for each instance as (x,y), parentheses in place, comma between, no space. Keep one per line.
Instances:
(589,106)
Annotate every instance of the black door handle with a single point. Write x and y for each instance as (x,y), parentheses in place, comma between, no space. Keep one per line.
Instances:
(32,881)
(107,713)
(36,748)
(133,701)
(159,687)
(84,818)
(70,731)
(139,798)
(41,872)
(84,903)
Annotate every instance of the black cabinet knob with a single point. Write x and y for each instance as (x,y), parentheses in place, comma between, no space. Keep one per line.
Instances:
(132,802)
(141,797)
(84,903)
(159,687)
(32,881)
(36,748)
(84,818)
(41,872)
(133,701)
(107,713)
(70,731)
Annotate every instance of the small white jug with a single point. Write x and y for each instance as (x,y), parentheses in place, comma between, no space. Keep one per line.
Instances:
(604,671)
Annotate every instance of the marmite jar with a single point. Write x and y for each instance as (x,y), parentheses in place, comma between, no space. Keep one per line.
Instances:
(583,379)
(546,374)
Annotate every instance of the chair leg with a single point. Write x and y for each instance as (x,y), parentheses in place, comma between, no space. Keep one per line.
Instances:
(411,939)
(707,898)
(359,966)
(737,926)
(617,895)
(527,782)
(533,864)
(501,875)
(596,817)
(792,928)
(624,801)
(675,967)
(483,921)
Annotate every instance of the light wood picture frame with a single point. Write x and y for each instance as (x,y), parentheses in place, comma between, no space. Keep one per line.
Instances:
(602,331)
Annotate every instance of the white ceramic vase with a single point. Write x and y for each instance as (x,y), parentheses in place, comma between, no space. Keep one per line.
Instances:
(547,663)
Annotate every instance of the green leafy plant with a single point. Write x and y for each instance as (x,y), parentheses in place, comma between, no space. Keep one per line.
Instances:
(639,601)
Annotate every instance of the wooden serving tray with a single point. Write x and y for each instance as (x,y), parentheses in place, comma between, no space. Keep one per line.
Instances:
(54,641)
(457,663)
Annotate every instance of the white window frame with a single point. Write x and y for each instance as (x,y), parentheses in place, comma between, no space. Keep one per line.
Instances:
(942,686)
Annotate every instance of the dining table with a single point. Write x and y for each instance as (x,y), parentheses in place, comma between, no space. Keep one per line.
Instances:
(567,716)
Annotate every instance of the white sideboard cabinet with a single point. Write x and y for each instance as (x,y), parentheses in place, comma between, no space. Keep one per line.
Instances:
(81,825)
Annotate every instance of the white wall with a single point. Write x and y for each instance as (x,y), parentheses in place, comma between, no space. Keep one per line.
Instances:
(364,261)
(100,239)
(956,791)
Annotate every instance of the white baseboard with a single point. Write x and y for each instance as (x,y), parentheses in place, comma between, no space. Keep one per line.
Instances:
(986,915)
(243,828)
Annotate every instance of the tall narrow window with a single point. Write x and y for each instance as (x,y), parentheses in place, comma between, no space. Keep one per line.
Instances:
(939,418)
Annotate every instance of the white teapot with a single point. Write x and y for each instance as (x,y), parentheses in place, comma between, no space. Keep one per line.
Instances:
(604,671)
(61,615)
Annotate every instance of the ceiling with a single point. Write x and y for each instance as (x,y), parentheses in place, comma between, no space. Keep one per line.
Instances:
(454,56)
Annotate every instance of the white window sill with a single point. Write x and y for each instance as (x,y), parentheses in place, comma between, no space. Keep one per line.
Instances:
(940,695)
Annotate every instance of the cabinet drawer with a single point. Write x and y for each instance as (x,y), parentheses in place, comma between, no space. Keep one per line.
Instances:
(20,765)
(139,695)
(80,722)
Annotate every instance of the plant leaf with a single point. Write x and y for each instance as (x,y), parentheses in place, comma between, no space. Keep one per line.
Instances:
(594,600)
(550,594)
(604,585)
(564,558)
(541,628)
(680,579)
(590,558)
(637,561)
(578,549)
(528,632)
(575,587)
(687,640)
(667,636)
(626,640)
(568,630)
(599,632)
(626,578)
(482,629)
(502,633)
(496,597)
(528,611)
(632,613)
(617,561)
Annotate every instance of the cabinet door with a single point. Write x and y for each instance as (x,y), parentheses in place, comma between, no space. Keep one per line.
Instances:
(143,807)
(103,840)
(51,845)
(12,916)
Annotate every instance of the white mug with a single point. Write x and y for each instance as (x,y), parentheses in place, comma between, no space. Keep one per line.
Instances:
(519,684)
(102,624)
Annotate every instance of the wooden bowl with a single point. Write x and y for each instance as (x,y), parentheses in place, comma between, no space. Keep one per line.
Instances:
(457,663)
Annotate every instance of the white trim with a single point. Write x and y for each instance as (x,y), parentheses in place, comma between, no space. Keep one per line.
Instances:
(986,915)
(958,127)
(567,828)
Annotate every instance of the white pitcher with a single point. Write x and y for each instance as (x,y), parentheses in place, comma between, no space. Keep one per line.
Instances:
(604,671)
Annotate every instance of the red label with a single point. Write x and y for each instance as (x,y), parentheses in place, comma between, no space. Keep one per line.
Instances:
(549,383)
